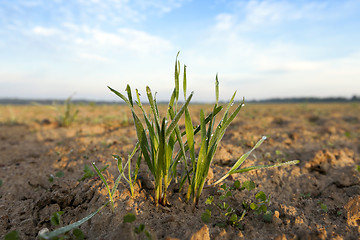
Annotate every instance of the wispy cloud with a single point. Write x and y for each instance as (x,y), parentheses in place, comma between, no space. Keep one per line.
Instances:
(124,38)
(254,15)
(86,26)
(91,12)
(46,32)
(93,57)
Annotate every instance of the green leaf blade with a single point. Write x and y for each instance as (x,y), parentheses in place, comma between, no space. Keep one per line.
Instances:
(129,218)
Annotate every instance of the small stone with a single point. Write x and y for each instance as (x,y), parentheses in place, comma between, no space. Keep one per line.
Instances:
(276,218)
(281,237)
(353,211)
(287,141)
(202,234)
(210,175)
(299,220)
(45,121)
(223,233)
(43,231)
(240,235)
(321,233)
(276,214)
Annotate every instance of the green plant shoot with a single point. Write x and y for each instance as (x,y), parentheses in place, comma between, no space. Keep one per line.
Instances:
(158,135)
(69,115)
(132,176)
(110,192)
(241,160)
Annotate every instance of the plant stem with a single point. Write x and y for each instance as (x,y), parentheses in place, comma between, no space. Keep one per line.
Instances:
(164,200)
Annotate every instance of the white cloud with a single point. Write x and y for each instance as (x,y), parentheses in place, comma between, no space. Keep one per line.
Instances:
(46,32)
(95,57)
(143,42)
(254,14)
(124,39)
(224,21)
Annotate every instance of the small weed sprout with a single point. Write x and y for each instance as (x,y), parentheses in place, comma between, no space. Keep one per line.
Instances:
(323,207)
(13,118)
(69,115)
(56,221)
(232,216)
(229,215)
(45,234)
(132,176)
(129,218)
(88,173)
(13,235)
(56,218)
(58,174)
(110,192)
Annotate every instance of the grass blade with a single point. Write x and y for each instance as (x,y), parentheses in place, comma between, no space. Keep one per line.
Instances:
(177,74)
(116,184)
(176,119)
(184,82)
(247,169)
(65,229)
(128,90)
(208,118)
(246,155)
(153,105)
(144,146)
(121,96)
(106,184)
(190,135)
(241,160)
(217,90)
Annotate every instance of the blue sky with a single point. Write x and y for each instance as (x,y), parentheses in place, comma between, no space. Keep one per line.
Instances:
(262,49)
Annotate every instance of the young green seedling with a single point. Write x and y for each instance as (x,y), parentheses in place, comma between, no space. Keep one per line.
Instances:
(58,174)
(323,207)
(56,218)
(129,218)
(132,176)
(110,192)
(158,135)
(69,115)
(57,232)
(210,138)
(13,235)
(228,213)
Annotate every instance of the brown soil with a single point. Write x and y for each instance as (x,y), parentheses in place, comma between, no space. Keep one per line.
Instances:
(325,138)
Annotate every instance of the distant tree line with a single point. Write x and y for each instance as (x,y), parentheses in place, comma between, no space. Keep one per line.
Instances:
(309,100)
(16,101)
